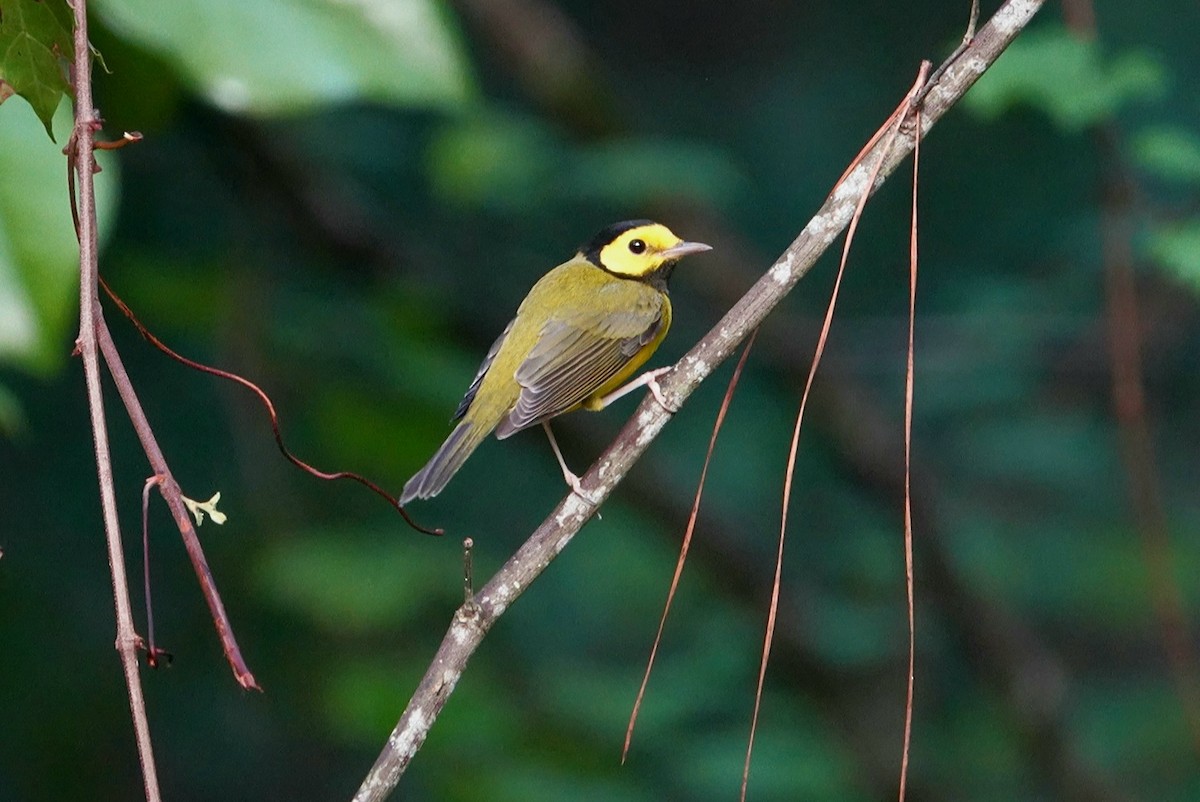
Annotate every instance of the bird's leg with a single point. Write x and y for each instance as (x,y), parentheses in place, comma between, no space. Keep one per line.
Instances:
(572,480)
(649,380)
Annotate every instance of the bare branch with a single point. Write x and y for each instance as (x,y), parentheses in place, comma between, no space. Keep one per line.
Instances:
(169,489)
(471,623)
(82,157)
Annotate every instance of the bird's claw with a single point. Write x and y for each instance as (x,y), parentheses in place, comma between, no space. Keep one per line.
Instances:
(576,486)
(656,391)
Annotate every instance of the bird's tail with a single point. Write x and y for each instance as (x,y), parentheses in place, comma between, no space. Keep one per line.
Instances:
(430,480)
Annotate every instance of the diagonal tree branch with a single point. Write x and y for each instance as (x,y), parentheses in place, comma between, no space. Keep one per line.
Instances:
(473,620)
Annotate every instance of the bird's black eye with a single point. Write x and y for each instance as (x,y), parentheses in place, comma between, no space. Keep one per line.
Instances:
(637,246)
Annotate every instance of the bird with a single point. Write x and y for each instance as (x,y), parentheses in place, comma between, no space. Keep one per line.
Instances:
(581,332)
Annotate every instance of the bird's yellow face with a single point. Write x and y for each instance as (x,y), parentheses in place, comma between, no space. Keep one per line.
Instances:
(639,249)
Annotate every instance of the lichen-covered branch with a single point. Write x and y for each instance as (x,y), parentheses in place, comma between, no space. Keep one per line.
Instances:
(472,622)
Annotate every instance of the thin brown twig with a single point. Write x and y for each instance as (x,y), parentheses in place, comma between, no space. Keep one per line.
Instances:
(81,165)
(150,646)
(169,489)
(469,626)
(468,571)
(128,138)
(968,38)
(687,539)
(265,400)
(890,129)
(908,409)
(153,653)
(166,483)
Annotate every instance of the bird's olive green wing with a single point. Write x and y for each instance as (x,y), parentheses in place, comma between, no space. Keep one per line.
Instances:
(465,404)
(577,354)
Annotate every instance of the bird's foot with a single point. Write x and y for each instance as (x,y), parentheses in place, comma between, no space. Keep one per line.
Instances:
(576,486)
(651,378)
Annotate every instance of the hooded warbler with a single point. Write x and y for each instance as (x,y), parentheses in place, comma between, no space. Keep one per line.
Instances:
(582,330)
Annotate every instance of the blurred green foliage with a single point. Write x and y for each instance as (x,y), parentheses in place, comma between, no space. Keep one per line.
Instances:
(39,256)
(345,201)
(1170,153)
(237,56)
(1068,78)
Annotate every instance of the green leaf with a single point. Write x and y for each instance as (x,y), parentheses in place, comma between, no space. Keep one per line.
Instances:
(1171,153)
(35,47)
(39,257)
(1176,247)
(1067,78)
(278,56)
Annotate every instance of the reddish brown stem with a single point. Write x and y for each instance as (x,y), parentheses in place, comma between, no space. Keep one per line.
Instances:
(81,164)
(687,540)
(169,489)
(128,138)
(153,653)
(884,140)
(908,408)
(265,400)
(83,212)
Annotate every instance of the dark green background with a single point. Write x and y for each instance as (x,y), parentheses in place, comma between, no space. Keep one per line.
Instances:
(356,259)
